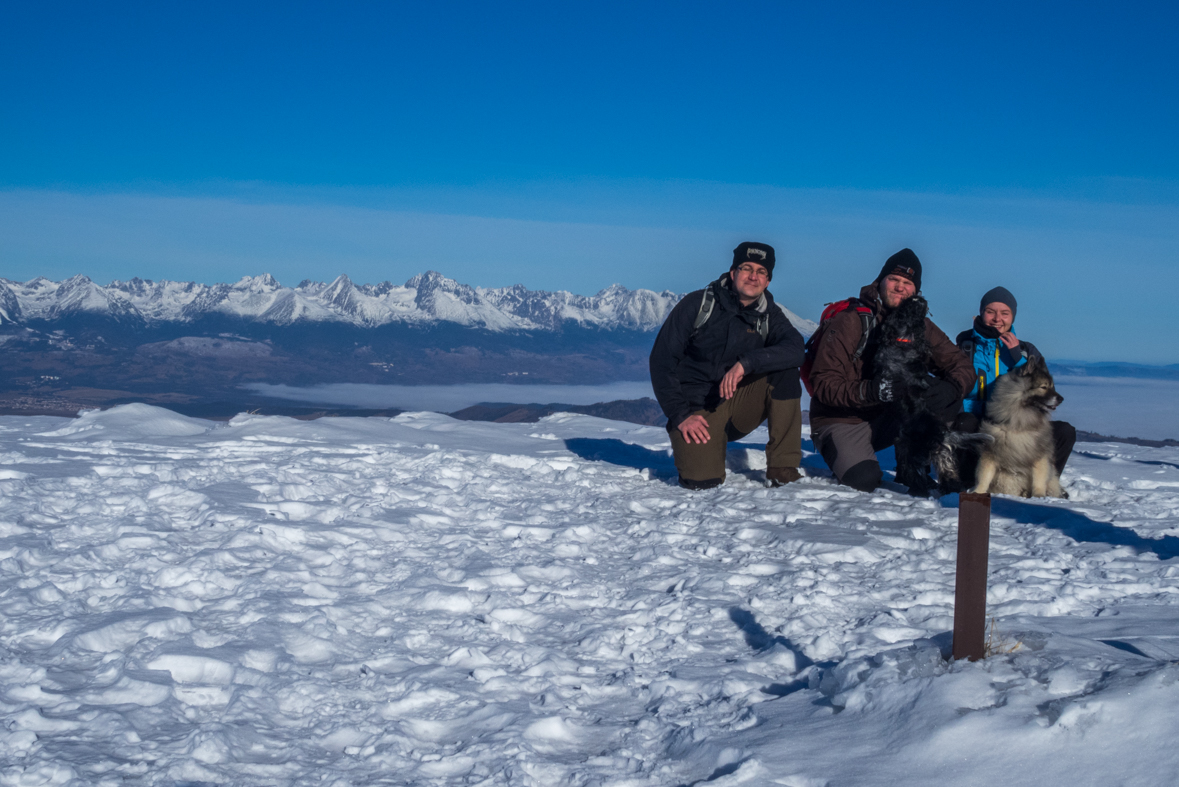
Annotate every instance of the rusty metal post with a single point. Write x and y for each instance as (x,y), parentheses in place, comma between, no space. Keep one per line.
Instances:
(970,585)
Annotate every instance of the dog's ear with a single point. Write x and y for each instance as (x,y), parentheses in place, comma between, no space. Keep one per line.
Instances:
(1034,363)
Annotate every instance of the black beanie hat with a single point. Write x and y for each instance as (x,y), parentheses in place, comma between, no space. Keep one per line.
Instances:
(761,253)
(998,295)
(903,263)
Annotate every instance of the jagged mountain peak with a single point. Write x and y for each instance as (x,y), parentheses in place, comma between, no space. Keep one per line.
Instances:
(432,282)
(263,283)
(10,310)
(429,279)
(340,287)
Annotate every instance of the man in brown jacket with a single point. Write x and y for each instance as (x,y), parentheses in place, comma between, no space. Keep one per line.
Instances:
(850,415)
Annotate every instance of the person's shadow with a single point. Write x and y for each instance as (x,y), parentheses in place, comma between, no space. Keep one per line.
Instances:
(616,452)
(662,466)
(759,639)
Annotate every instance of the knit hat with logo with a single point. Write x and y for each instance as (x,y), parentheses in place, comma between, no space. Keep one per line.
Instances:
(903,263)
(760,253)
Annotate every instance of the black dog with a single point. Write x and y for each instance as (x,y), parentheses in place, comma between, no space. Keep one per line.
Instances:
(903,357)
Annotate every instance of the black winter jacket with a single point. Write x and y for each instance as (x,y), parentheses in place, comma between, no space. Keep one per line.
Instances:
(686,369)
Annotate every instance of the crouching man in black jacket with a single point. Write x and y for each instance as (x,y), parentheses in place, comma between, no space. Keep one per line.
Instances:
(725,360)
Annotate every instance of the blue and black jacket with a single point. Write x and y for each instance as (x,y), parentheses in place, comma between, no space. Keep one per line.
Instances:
(991,359)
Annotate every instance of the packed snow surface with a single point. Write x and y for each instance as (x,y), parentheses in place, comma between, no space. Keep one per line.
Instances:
(426,601)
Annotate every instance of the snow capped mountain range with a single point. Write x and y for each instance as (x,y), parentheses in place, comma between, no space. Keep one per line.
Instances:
(426,298)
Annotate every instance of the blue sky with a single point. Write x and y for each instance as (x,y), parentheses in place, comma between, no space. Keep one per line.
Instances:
(574,145)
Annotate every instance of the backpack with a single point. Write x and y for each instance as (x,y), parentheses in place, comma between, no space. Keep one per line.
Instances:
(709,301)
(867,323)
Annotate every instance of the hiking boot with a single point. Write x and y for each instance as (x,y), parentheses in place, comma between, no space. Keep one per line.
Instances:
(698,486)
(780,476)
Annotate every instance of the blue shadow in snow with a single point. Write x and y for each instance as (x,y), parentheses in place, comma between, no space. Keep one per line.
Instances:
(1126,646)
(758,638)
(662,466)
(1155,462)
(616,452)
(811,460)
(1079,527)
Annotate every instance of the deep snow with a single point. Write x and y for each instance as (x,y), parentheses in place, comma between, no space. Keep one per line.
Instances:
(428,601)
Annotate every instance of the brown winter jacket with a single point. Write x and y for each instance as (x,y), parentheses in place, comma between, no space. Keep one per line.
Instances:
(841,382)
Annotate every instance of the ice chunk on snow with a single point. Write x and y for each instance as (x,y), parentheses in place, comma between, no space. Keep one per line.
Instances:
(186,668)
(552,729)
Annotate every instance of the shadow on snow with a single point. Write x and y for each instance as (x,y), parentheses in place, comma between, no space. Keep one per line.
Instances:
(1155,462)
(1081,528)
(759,639)
(616,452)
(662,466)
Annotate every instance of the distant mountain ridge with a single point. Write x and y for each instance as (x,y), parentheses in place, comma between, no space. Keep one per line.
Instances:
(1114,369)
(425,299)
(75,343)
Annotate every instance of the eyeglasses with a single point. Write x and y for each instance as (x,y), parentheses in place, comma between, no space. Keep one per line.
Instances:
(754,270)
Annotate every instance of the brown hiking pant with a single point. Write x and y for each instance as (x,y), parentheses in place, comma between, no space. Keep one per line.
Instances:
(703,464)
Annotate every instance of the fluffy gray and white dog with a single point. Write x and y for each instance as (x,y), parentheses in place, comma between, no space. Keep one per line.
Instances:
(1019,459)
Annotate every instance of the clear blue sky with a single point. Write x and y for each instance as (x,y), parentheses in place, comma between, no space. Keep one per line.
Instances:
(573,145)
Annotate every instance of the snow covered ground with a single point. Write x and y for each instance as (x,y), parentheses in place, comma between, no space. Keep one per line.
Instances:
(427,601)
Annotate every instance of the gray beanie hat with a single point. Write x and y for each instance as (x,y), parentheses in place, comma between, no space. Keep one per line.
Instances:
(998,295)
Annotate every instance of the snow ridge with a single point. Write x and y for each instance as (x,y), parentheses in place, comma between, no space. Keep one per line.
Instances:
(426,298)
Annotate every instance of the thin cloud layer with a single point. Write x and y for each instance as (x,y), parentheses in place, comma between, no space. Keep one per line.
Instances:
(449,398)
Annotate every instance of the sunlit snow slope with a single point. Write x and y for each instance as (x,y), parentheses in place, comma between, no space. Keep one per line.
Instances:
(428,601)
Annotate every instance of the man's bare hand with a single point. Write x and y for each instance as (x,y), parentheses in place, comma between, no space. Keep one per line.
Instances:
(694,428)
(1009,340)
(728,385)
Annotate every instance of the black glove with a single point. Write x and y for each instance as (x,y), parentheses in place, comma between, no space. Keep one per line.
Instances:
(889,389)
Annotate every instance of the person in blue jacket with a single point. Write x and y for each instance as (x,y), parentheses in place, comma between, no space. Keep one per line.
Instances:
(993,350)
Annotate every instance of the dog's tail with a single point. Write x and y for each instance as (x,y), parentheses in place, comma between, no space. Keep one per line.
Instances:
(946,457)
(972,441)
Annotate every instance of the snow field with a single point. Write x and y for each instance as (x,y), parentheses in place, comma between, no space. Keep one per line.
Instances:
(428,601)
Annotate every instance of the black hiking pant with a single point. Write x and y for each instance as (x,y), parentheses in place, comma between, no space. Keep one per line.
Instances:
(849,449)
